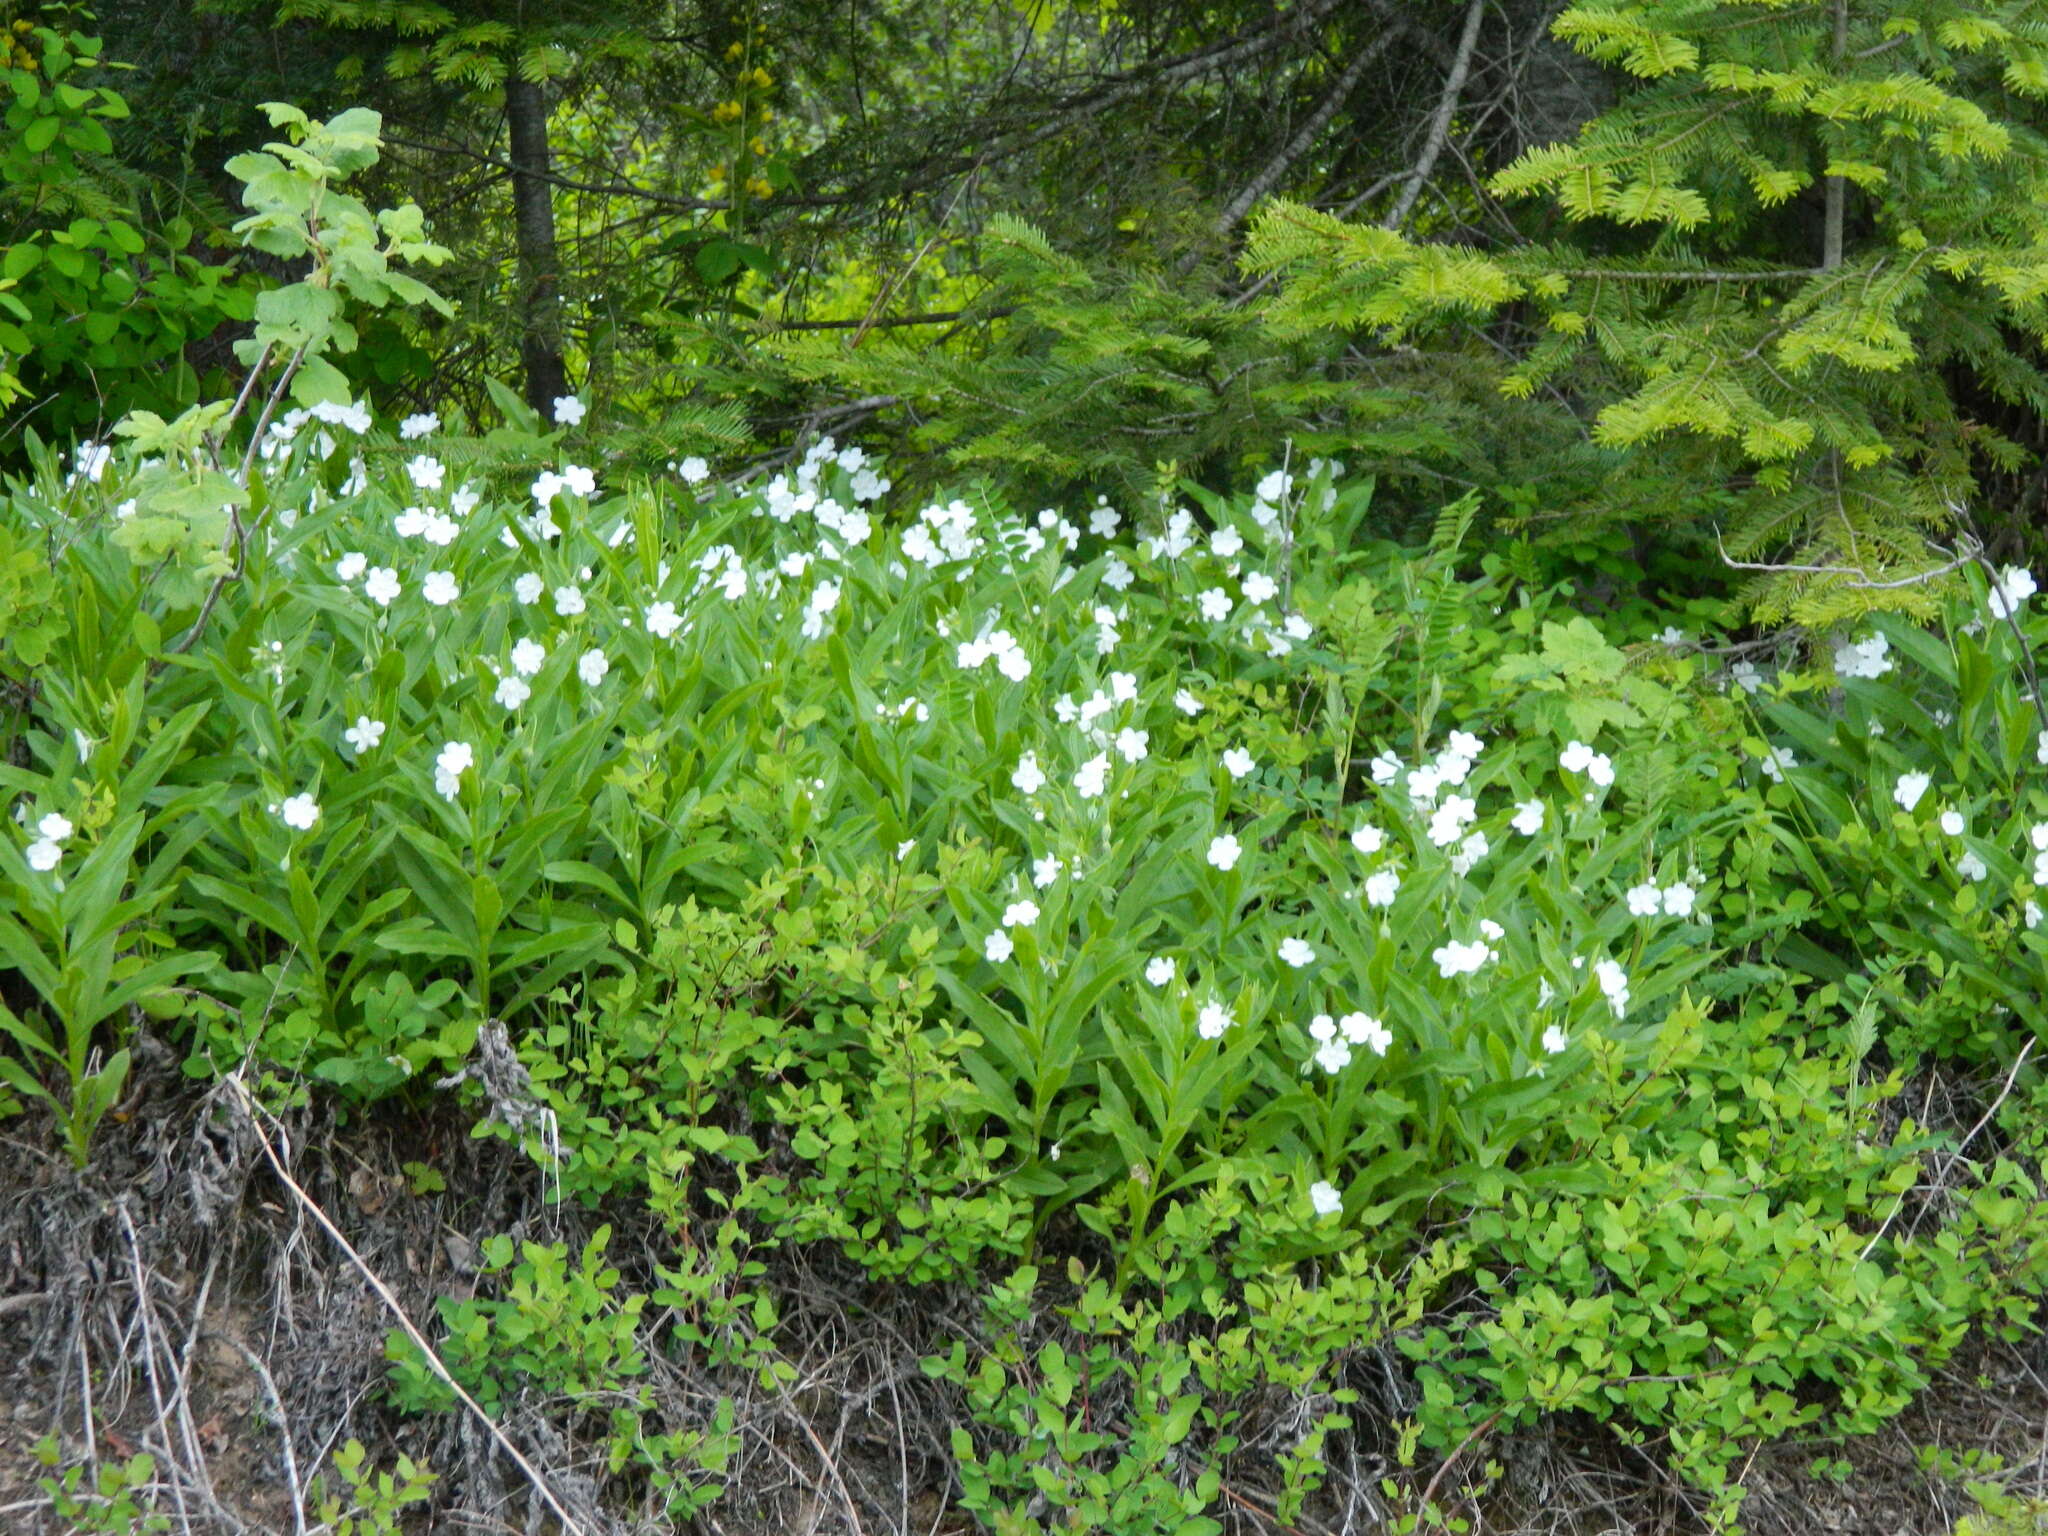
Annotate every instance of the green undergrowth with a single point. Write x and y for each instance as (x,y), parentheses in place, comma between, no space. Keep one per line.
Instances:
(1231,945)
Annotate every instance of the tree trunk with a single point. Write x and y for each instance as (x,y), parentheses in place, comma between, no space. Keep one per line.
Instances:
(533,217)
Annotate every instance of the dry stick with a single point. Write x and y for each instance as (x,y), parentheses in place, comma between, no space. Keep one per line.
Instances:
(92,1444)
(156,1390)
(284,1427)
(1440,123)
(1971,1134)
(1311,130)
(1463,1446)
(831,1466)
(391,1304)
(1970,553)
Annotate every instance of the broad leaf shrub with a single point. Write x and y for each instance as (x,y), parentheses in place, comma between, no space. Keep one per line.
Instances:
(1237,942)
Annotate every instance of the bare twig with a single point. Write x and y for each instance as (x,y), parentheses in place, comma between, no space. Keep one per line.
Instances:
(1440,120)
(143,1309)
(1464,1445)
(258,1115)
(284,1428)
(1305,138)
(832,1467)
(1969,546)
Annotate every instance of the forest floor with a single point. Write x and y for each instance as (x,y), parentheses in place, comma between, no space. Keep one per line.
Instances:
(181,1297)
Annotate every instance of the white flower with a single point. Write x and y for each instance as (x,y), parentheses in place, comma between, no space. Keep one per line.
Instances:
(592,665)
(1333,1056)
(56,827)
(1614,983)
(1600,770)
(1259,588)
(424,424)
(1455,959)
(1123,687)
(453,760)
(1224,851)
(381,585)
(568,601)
(903,849)
(1528,817)
(441,529)
(89,462)
(580,481)
(1575,758)
(1863,658)
(1215,604)
(568,410)
(425,471)
(998,947)
(2032,913)
(1046,870)
(1678,900)
(1466,745)
(1188,704)
(1469,853)
(364,734)
(1644,900)
(1363,1029)
(2038,836)
(1028,777)
(1448,822)
(2041,749)
(824,598)
(1159,970)
(2015,586)
(1131,745)
(1325,1199)
(1385,768)
(1380,888)
(1020,914)
(1672,635)
(694,470)
(1368,839)
(440,589)
(1556,1041)
(299,812)
(1212,1021)
(1952,823)
(528,589)
(410,523)
(1092,776)
(512,692)
(350,566)
(1238,762)
(1225,542)
(1909,789)
(1970,866)
(43,855)
(1424,784)
(1297,952)
(1490,930)
(1775,761)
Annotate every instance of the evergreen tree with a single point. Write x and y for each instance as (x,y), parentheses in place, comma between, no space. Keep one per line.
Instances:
(1799,257)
